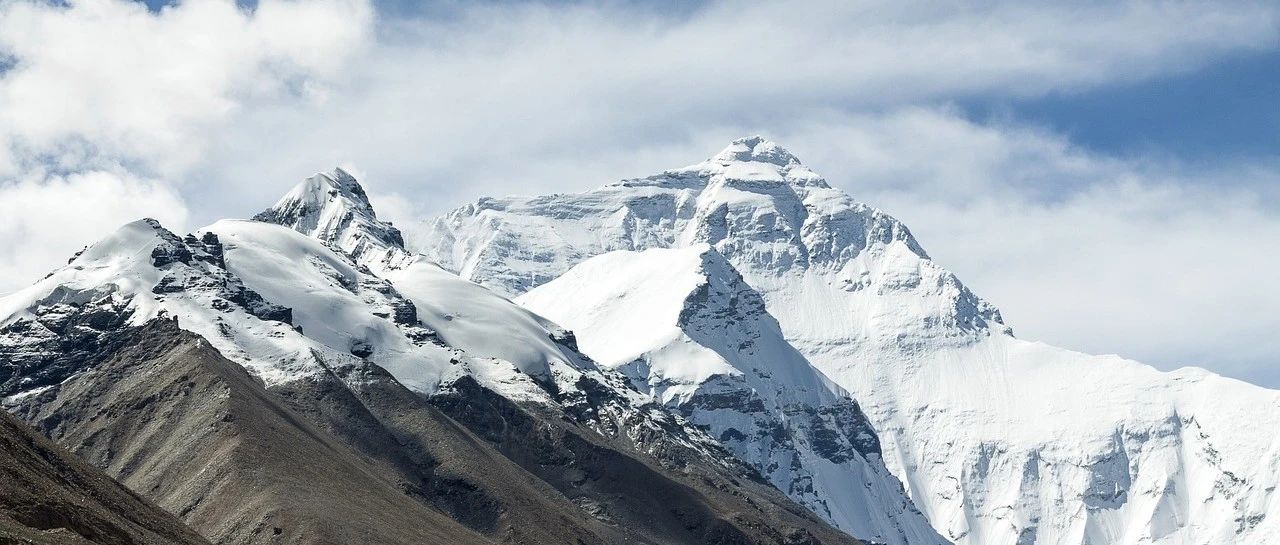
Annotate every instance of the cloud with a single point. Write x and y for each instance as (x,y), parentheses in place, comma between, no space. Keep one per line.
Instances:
(1171,276)
(541,98)
(112,78)
(205,91)
(47,218)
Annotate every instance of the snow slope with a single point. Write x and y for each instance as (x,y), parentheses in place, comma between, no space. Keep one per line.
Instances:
(998,440)
(280,303)
(292,307)
(330,215)
(688,330)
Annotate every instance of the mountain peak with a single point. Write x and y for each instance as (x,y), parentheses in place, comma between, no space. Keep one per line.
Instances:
(333,207)
(756,148)
(323,187)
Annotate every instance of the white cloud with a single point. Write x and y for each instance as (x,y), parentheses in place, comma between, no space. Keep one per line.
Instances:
(109,76)
(1170,276)
(203,84)
(113,96)
(44,220)
(521,98)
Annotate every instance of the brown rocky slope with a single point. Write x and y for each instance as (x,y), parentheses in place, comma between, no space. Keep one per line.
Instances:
(48,496)
(355,457)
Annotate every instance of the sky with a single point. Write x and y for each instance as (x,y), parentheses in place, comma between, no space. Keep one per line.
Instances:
(1108,174)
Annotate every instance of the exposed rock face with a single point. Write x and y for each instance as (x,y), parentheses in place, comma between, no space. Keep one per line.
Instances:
(50,497)
(998,440)
(711,503)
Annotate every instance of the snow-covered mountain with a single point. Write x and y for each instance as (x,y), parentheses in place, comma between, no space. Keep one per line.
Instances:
(686,328)
(998,440)
(328,312)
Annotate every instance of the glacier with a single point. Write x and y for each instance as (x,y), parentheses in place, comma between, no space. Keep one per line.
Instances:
(998,440)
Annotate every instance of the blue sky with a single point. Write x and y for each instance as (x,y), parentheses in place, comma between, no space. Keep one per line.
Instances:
(1107,173)
(1227,110)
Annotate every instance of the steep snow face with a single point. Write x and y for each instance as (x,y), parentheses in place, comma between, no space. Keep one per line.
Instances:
(998,440)
(334,208)
(687,329)
(683,317)
(622,307)
(1009,441)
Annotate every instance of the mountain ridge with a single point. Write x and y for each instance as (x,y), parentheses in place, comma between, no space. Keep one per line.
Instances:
(853,508)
